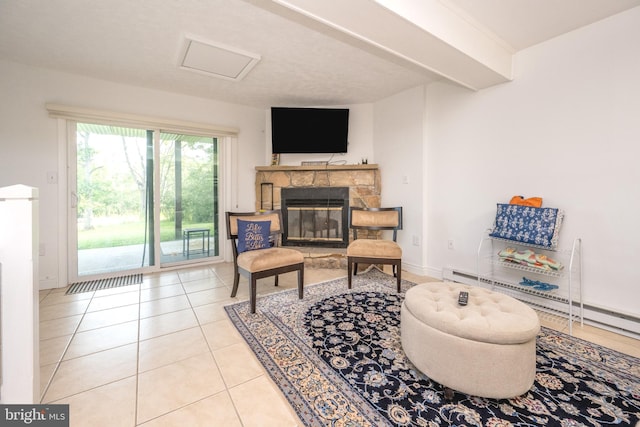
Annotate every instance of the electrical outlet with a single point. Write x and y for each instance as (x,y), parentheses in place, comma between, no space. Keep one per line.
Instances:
(416,240)
(450,244)
(405,179)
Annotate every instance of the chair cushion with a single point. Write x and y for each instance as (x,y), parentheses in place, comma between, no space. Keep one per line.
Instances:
(253,235)
(265,259)
(374,249)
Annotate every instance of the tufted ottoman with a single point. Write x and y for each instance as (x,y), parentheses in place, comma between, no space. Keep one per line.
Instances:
(486,348)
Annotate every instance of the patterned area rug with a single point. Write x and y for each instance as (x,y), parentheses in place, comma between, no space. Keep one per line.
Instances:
(337,357)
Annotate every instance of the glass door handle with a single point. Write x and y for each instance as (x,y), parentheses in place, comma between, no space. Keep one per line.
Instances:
(74,200)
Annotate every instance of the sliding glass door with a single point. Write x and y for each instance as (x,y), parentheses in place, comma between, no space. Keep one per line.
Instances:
(188,199)
(141,199)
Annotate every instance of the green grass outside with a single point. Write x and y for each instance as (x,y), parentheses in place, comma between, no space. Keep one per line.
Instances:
(130,233)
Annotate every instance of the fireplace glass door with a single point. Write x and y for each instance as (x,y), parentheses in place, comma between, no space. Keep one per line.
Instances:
(316,216)
(314,224)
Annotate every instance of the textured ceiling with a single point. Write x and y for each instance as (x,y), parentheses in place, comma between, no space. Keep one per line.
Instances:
(524,23)
(139,43)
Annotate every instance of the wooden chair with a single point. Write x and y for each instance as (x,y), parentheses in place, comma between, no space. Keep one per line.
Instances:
(259,263)
(374,251)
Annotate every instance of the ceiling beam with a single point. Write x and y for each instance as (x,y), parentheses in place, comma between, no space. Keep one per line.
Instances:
(425,35)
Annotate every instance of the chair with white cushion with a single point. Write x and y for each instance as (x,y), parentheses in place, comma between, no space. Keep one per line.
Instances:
(371,250)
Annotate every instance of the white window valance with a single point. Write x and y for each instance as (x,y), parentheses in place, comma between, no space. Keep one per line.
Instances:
(89,115)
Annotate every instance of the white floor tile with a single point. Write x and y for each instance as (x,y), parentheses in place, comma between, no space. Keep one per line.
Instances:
(172,341)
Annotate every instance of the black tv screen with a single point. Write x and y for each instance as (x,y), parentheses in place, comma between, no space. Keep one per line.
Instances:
(309,130)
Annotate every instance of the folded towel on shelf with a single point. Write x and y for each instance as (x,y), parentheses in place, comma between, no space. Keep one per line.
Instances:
(537,285)
(529,258)
(543,259)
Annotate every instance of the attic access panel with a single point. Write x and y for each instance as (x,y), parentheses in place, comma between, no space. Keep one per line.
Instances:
(216,59)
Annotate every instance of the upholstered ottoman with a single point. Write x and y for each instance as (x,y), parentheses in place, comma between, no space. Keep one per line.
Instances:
(486,348)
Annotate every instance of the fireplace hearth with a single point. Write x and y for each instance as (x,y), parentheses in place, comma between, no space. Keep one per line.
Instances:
(315,216)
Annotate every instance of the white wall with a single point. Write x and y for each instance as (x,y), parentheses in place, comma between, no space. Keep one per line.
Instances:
(360,140)
(566,129)
(398,147)
(29,138)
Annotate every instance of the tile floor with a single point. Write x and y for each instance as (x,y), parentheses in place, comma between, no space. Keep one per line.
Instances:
(163,353)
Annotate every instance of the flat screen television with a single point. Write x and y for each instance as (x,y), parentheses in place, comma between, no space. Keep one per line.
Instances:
(309,130)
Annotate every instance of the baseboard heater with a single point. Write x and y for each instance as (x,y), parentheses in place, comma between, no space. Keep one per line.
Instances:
(622,323)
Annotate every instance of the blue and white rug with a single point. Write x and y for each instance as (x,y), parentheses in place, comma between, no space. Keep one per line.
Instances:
(337,357)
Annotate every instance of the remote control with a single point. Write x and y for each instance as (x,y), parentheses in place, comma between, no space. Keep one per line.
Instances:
(463,298)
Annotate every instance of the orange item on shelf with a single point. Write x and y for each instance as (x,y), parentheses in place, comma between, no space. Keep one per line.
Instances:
(535,202)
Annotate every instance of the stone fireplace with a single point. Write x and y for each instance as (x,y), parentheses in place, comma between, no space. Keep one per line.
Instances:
(315,199)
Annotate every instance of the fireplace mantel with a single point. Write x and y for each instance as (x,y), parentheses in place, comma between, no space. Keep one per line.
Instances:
(363,181)
(316,168)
